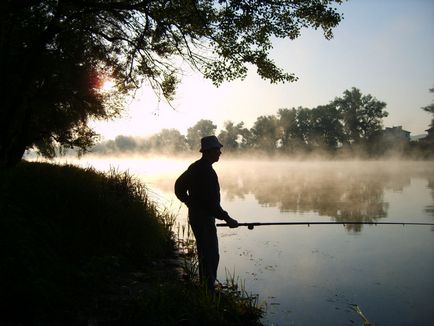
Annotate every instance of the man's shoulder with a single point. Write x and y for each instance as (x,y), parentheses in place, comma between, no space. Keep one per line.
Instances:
(199,164)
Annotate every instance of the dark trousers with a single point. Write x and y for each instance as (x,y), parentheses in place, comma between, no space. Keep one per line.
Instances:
(205,232)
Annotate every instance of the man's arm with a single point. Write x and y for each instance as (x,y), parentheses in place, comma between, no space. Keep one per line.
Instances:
(181,188)
(231,222)
(223,215)
(214,201)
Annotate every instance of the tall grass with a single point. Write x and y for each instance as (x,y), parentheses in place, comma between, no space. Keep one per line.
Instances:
(67,234)
(61,226)
(230,304)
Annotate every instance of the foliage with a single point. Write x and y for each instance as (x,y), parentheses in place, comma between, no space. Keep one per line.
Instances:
(265,133)
(327,131)
(201,129)
(228,307)
(167,141)
(352,119)
(55,56)
(125,143)
(425,146)
(288,124)
(346,126)
(234,136)
(76,245)
(65,229)
(430,108)
(361,115)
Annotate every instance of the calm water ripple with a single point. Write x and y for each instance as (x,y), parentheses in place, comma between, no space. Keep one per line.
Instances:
(322,274)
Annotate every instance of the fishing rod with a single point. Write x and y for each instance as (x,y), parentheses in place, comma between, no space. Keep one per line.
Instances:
(250,226)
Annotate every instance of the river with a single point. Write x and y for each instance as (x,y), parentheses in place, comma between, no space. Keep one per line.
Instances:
(318,274)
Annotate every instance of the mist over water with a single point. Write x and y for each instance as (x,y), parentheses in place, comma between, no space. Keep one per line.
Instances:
(319,190)
(340,191)
(315,275)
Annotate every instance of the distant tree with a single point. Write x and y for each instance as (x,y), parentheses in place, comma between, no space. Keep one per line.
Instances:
(233,137)
(125,143)
(168,141)
(54,56)
(303,130)
(287,123)
(201,129)
(430,109)
(110,146)
(265,133)
(361,115)
(294,128)
(327,130)
(105,147)
(426,144)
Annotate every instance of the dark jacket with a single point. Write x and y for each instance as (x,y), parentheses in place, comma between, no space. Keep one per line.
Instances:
(199,189)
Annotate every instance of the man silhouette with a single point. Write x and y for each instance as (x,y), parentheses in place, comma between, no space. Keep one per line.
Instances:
(199,189)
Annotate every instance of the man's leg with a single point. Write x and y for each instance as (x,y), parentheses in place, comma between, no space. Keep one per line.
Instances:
(205,233)
(211,255)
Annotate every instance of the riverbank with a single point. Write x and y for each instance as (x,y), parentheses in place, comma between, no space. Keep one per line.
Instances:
(84,247)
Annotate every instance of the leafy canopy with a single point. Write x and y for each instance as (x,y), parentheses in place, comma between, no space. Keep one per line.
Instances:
(56,54)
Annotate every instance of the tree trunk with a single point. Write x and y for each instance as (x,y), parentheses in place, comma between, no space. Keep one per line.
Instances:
(13,132)
(11,158)
(11,154)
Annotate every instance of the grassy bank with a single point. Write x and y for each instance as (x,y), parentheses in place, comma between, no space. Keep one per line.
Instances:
(80,246)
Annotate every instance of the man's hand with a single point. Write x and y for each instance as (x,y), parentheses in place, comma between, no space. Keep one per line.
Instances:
(231,222)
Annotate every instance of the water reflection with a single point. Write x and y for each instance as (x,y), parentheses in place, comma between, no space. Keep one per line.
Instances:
(311,276)
(430,208)
(343,191)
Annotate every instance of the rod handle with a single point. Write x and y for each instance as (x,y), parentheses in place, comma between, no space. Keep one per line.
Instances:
(250,226)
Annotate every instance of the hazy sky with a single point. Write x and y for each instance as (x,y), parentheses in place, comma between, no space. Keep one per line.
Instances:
(383,47)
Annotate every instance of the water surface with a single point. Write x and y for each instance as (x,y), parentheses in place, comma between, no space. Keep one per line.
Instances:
(316,275)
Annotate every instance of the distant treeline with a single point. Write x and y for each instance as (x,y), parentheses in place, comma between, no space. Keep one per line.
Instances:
(348,126)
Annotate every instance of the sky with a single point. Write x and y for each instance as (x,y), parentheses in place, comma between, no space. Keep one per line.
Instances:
(385,48)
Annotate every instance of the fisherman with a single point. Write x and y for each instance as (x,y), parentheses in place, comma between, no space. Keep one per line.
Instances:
(199,189)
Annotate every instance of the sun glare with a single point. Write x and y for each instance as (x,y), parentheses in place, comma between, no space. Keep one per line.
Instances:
(107,85)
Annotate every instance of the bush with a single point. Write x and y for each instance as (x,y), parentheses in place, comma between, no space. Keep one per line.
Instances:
(63,228)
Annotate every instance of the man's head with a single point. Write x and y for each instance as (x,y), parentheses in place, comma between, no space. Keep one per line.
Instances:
(210,148)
